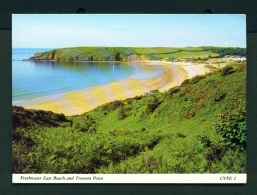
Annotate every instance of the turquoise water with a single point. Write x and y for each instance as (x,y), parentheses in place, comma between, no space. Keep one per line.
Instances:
(36,79)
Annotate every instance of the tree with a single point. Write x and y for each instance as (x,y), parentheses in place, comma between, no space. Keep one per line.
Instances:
(118,56)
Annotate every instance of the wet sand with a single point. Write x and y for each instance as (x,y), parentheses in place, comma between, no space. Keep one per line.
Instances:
(81,101)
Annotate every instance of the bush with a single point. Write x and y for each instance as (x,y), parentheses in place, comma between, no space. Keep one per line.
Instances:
(172,91)
(56,117)
(232,129)
(185,82)
(87,124)
(152,105)
(112,105)
(211,83)
(196,79)
(227,70)
(193,80)
(121,113)
(219,96)
(189,115)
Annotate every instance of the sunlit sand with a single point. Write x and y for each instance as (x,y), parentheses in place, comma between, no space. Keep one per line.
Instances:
(81,101)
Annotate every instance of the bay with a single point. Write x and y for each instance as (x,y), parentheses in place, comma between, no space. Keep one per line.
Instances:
(36,79)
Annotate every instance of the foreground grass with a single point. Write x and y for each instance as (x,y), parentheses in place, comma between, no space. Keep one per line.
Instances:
(179,131)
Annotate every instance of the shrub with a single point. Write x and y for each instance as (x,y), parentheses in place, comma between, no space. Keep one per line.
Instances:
(200,95)
(196,79)
(150,163)
(86,124)
(185,82)
(152,105)
(121,113)
(211,83)
(189,115)
(112,105)
(188,89)
(219,96)
(193,80)
(205,141)
(172,91)
(232,129)
(180,135)
(227,70)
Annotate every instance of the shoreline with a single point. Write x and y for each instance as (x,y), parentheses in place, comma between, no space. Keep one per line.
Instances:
(83,100)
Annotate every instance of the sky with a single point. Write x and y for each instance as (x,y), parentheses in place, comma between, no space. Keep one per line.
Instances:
(128,30)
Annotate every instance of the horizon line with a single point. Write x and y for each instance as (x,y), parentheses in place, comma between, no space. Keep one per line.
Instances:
(123,46)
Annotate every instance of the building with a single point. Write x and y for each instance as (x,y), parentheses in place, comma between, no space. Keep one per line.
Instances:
(152,92)
(228,58)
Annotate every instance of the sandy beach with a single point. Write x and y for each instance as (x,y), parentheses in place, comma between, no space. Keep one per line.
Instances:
(81,101)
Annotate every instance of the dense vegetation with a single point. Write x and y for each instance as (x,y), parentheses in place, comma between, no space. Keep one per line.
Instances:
(230,51)
(198,127)
(135,53)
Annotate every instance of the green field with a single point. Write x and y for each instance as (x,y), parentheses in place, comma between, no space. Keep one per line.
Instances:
(198,127)
(142,53)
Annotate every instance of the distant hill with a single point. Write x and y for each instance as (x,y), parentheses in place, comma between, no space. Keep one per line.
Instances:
(134,53)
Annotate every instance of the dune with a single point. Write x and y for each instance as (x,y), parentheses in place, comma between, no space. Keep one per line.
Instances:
(81,101)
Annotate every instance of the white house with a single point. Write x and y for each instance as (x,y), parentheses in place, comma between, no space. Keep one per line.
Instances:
(234,58)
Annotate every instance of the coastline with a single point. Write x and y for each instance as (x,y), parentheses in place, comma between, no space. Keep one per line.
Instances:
(81,101)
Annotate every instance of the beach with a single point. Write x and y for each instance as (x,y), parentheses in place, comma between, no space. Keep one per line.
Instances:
(81,101)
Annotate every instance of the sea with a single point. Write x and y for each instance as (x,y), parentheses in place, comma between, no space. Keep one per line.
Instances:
(36,79)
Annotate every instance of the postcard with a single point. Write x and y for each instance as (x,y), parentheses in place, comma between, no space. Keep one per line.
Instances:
(129,98)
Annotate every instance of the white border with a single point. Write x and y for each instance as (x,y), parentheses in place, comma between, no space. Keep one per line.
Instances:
(131,178)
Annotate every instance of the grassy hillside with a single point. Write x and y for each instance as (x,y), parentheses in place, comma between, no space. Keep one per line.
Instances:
(133,53)
(198,127)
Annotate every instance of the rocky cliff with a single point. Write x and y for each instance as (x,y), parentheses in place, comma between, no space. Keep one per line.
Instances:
(90,54)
